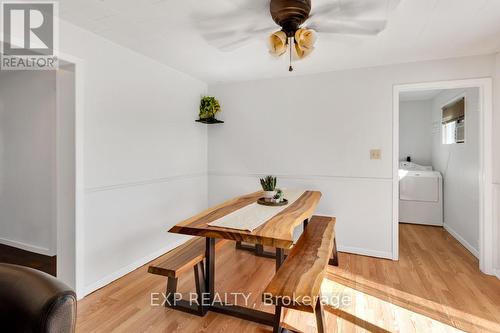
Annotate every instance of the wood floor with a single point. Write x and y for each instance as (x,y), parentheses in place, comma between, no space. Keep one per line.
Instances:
(13,255)
(436,286)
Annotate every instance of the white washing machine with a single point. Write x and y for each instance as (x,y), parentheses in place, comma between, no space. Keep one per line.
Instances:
(420,195)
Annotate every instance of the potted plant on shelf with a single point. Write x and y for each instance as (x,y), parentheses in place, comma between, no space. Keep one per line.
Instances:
(209,106)
(268,184)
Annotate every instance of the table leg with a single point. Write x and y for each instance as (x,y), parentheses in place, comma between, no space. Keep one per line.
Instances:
(257,249)
(220,307)
(304,224)
(280,257)
(205,287)
(210,268)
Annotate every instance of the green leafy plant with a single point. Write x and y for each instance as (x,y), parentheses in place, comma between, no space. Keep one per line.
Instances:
(209,106)
(268,183)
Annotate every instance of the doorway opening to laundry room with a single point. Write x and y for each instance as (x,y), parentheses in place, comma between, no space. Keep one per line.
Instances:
(442,169)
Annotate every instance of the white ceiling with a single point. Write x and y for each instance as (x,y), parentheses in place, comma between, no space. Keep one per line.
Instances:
(166,30)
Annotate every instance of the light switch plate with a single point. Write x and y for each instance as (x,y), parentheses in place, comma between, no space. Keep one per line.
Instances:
(375,154)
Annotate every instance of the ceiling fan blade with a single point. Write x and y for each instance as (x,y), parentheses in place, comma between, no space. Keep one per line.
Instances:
(233,21)
(353,9)
(236,25)
(223,34)
(229,40)
(236,14)
(350,27)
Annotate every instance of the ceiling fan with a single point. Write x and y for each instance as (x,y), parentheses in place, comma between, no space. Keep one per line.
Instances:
(299,24)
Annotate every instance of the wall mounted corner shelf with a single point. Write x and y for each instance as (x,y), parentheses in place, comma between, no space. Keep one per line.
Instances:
(209,121)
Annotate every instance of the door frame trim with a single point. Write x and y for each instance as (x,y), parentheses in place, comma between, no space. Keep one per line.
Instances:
(486,221)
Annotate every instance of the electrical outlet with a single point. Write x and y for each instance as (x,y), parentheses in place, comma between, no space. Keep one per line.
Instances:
(375,154)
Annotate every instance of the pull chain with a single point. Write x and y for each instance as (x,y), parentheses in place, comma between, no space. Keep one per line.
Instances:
(290,68)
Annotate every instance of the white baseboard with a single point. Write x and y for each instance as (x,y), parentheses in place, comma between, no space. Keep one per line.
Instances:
(497,273)
(28,247)
(462,241)
(365,252)
(127,269)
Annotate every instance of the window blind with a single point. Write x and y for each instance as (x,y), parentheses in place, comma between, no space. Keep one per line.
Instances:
(454,111)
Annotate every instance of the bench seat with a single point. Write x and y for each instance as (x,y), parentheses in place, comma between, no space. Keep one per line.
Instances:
(183,257)
(297,284)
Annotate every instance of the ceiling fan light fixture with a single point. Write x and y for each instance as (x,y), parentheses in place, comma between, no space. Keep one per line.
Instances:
(304,43)
(298,25)
(277,43)
(305,39)
(299,53)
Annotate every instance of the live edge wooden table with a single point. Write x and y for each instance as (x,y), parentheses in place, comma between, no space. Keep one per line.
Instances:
(276,232)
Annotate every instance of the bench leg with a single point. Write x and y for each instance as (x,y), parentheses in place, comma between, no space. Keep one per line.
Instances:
(182,304)
(334,261)
(171,290)
(320,316)
(277,319)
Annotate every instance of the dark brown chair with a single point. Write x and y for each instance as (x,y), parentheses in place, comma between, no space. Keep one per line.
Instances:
(33,301)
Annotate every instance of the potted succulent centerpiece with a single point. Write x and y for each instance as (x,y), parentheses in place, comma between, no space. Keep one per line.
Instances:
(209,107)
(268,184)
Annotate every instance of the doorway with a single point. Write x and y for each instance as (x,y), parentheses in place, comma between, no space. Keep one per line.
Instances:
(27,169)
(37,170)
(448,94)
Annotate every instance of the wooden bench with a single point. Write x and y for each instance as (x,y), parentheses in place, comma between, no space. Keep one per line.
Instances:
(189,255)
(297,284)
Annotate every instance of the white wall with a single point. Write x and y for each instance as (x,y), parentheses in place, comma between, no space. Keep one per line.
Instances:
(27,160)
(144,157)
(415,131)
(65,176)
(496,160)
(322,128)
(459,165)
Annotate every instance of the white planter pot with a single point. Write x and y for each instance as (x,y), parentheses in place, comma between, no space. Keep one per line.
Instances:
(268,195)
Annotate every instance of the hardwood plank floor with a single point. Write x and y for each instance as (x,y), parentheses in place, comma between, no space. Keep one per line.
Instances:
(436,286)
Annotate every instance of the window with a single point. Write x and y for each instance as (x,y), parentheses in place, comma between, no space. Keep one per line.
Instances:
(453,122)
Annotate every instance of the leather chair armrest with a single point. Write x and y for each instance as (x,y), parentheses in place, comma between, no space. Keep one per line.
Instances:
(33,301)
